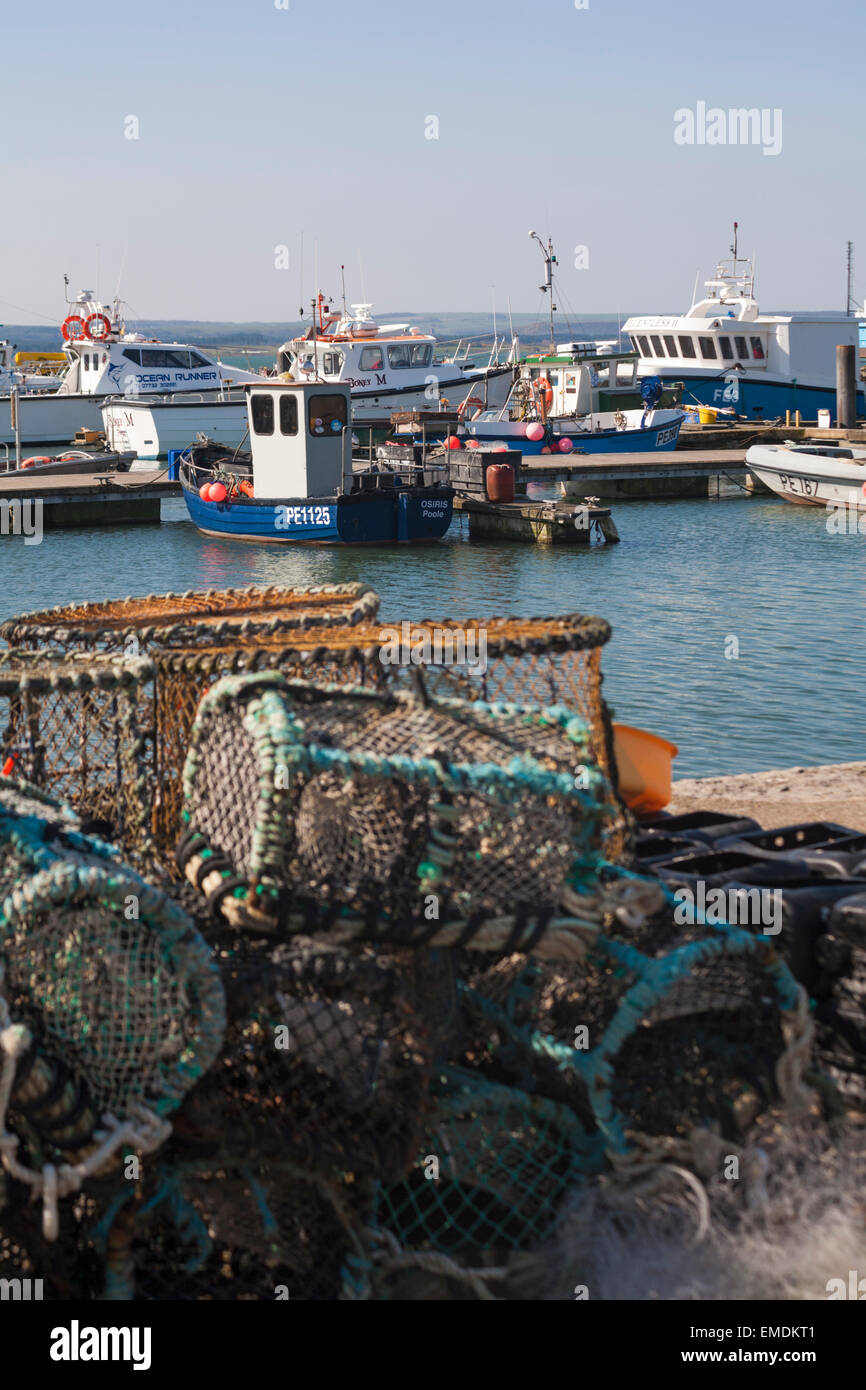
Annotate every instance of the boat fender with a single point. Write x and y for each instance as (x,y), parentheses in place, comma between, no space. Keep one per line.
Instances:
(246,488)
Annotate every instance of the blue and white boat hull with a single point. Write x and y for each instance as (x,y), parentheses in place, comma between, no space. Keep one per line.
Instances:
(378,517)
(662,435)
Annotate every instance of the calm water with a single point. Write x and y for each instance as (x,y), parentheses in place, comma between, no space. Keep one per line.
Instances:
(687,578)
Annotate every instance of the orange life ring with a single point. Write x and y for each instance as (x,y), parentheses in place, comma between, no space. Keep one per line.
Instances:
(106,327)
(66,328)
(36,458)
(464,405)
(543,388)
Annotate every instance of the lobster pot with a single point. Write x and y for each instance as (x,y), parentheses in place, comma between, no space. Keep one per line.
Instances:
(389,814)
(138,625)
(108,992)
(80,725)
(321,1093)
(655,1031)
(540,661)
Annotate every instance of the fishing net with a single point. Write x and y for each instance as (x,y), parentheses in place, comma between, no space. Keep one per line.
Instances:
(542,661)
(81,726)
(136,625)
(393,815)
(111,1008)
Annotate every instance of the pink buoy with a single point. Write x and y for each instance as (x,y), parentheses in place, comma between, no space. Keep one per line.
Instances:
(217,492)
(204,491)
(534,432)
(547,449)
(566,446)
(452,442)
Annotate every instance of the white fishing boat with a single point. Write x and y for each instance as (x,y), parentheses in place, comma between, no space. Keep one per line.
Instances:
(728,354)
(387,367)
(29,371)
(578,396)
(103,360)
(812,472)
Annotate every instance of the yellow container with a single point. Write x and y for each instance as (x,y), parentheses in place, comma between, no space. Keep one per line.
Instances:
(707,415)
(643,763)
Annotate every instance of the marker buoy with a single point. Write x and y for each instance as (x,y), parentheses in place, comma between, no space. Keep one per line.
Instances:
(217,492)
(534,432)
(204,491)
(566,446)
(452,442)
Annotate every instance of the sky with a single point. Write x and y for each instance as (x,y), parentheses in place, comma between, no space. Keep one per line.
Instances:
(417,143)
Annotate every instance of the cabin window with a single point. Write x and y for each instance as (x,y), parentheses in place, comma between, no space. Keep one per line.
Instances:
(726,349)
(163,357)
(644,347)
(422,354)
(263,414)
(399,356)
(742,347)
(87,361)
(657,345)
(708,349)
(288,413)
(687,347)
(757,349)
(671,344)
(331,363)
(602,374)
(133,354)
(371,359)
(196,360)
(570,381)
(327,414)
(625,373)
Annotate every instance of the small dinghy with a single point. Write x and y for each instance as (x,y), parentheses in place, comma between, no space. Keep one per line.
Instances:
(812,472)
(73,461)
(297,482)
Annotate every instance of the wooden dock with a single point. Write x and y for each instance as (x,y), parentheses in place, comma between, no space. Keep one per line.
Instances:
(544,523)
(88,499)
(691,473)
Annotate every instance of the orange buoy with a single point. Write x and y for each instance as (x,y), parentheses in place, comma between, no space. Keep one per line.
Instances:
(217,492)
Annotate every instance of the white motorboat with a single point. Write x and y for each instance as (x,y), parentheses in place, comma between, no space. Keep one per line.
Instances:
(387,368)
(812,472)
(103,360)
(728,354)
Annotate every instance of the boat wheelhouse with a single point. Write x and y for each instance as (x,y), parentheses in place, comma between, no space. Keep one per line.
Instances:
(390,366)
(728,354)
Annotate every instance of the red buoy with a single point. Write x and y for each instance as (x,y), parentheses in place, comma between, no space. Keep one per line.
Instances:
(500,482)
(204,491)
(452,442)
(217,492)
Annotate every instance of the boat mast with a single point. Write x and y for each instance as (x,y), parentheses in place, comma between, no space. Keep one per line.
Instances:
(849,306)
(547,287)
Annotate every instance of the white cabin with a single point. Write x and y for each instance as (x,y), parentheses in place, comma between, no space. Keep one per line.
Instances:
(300,441)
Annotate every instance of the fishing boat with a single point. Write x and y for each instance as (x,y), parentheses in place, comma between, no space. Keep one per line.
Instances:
(297,483)
(103,360)
(29,371)
(812,472)
(578,396)
(728,354)
(389,367)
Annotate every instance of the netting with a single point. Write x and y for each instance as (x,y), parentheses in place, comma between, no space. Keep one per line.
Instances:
(111,1008)
(542,661)
(375,813)
(81,726)
(137,625)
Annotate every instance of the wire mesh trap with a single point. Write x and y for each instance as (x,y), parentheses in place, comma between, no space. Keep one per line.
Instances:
(138,625)
(520,660)
(111,1007)
(81,726)
(394,815)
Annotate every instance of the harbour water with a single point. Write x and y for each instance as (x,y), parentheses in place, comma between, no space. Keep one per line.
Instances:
(733,621)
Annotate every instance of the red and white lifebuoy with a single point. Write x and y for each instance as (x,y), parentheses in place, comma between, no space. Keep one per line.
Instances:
(464,406)
(73,328)
(96,321)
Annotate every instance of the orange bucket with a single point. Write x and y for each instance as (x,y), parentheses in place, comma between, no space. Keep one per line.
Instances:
(643,764)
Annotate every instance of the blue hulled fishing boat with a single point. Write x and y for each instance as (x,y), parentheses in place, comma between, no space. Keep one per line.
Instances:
(298,483)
